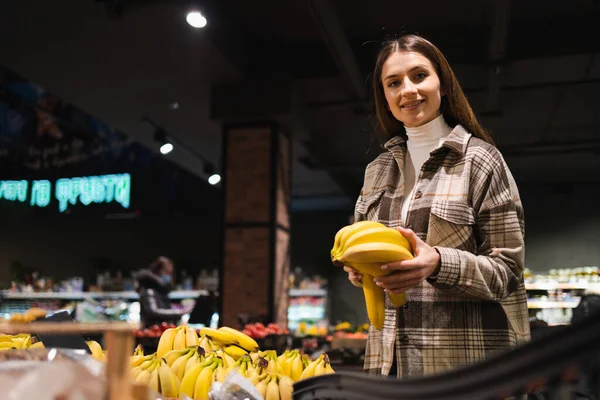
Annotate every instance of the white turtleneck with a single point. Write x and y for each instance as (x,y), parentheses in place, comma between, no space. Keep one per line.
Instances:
(422,140)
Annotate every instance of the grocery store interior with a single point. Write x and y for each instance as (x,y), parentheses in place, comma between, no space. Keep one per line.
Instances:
(179,166)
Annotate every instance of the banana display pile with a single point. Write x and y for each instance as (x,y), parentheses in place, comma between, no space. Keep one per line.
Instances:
(24,341)
(366,246)
(188,364)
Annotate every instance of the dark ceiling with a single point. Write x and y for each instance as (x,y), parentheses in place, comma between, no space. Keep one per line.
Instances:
(530,69)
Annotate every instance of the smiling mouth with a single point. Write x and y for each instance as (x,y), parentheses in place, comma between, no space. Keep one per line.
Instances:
(412,105)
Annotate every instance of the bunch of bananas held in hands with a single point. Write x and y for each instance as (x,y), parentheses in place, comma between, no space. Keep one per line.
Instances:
(366,246)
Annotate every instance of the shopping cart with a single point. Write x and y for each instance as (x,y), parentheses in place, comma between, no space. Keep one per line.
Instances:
(565,364)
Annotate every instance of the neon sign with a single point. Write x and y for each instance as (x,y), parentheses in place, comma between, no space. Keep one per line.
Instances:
(85,190)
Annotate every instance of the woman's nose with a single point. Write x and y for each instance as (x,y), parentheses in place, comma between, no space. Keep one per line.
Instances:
(408,88)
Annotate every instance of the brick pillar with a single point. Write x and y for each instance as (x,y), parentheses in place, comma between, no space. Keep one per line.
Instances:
(257,194)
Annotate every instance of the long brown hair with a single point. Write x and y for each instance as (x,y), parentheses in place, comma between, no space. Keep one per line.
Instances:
(455,106)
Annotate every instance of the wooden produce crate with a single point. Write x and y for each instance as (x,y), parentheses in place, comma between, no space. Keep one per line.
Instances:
(119,342)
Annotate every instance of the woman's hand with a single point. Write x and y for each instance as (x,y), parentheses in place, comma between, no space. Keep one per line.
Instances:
(409,273)
(354,276)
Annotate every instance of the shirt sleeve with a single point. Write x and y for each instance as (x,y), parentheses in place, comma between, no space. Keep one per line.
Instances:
(154,311)
(496,269)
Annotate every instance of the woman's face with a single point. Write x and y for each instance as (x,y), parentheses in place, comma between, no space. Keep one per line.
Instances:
(412,88)
(167,268)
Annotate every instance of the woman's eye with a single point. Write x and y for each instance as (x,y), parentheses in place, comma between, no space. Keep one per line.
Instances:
(392,83)
(421,76)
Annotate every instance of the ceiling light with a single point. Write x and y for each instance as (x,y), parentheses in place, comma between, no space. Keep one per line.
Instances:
(214,179)
(166,148)
(196,19)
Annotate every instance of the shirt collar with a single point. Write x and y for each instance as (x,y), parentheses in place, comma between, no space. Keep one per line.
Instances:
(457,141)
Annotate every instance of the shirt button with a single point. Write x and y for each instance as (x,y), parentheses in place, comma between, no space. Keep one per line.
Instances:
(418,194)
(404,339)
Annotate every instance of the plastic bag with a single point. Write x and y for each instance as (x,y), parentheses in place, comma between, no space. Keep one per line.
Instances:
(50,374)
(234,387)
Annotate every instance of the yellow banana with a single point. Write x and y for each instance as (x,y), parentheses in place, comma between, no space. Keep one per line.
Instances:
(96,349)
(337,241)
(154,380)
(143,366)
(138,351)
(7,346)
(173,355)
(286,366)
(136,361)
(374,252)
(5,338)
(221,337)
(207,344)
(375,302)
(374,269)
(398,300)
(241,339)
(329,369)
(320,368)
(138,356)
(204,381)
(261,387)
(311,369)
(196,358)
(169,382)
(306,360)
(221,373)
(191,337)
(178,366)
(286,388)
(188,382)
(179,340)
(165,343)
(37,345)
(272,389)
(297,368)
(22,342)
(349,230)
(234,351)
(145,375)
(228,361)
(380,234)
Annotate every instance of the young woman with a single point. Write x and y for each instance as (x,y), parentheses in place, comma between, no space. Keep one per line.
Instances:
(446,187)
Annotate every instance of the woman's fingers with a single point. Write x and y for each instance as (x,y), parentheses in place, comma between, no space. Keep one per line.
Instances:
(349,269)
(402,287)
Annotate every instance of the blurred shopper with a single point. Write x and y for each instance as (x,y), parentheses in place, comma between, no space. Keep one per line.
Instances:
(154,285)
(445,186)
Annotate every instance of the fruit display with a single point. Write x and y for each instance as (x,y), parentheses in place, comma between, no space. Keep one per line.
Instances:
(153,331)
(195,363)
(366,246)
(29,316)
(24,341)
(260,331)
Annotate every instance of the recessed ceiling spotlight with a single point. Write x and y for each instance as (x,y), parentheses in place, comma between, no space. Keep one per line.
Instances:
(174,105)
(196,19)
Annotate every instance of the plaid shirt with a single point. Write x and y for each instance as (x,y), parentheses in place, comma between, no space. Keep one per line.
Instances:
(466,205)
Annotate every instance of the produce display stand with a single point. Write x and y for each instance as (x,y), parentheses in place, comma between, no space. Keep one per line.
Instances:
(275,342)
(348,343)
(565,364)
(119,343)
